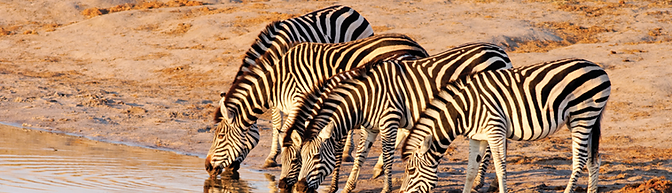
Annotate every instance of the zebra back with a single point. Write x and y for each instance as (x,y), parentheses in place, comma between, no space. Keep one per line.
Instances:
(534,100)
(332,24)
(428,74)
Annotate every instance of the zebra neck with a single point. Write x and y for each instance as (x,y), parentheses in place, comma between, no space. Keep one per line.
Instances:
(271,43)
(249,96)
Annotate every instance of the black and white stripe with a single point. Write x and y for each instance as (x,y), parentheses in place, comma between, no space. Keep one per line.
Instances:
(329,25)
(389,96)
(277,84)
(527,103)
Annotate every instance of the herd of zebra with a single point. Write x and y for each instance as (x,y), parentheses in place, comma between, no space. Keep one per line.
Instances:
(330,74)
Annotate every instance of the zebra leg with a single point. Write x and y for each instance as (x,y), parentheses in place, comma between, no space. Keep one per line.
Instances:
(368,137)
(388,138)
(473,162)
(580,136)
(401,137)
(339,155)
(378,168)
(479,181)
(275,143)
(497,144)
(347,150)
(593,155)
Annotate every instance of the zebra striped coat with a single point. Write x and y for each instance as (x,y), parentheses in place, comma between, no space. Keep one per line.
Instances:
(329,25)
(527,103)
(277,84)
(389,96)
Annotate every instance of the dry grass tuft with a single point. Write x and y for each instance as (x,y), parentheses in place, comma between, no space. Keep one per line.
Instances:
(654,186)
(570,34)
(181,28)
(4,32)
(93,12)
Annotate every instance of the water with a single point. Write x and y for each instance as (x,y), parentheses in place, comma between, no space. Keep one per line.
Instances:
(37,161)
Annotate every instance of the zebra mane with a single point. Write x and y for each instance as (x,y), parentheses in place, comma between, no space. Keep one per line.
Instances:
(251,59)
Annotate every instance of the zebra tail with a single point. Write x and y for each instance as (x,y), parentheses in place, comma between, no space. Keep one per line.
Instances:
(594,144)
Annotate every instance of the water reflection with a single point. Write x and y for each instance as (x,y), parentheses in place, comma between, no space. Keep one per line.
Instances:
(231,183)
(34,161)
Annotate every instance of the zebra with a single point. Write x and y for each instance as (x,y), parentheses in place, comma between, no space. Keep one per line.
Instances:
(332,24)
(526,103)
(391,95)
(279,83)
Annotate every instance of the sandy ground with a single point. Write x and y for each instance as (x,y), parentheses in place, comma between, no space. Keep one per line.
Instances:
(150,73)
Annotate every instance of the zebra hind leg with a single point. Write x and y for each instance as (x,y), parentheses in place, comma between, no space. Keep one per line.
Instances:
(378,168)
(593,156)
(582,133)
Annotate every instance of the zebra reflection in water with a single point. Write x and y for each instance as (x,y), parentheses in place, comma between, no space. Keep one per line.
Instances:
(230,182)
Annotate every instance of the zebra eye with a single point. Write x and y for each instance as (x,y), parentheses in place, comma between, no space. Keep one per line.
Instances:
(411,171)
(220,136)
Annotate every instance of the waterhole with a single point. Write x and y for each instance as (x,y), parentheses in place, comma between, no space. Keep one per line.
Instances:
(39,161)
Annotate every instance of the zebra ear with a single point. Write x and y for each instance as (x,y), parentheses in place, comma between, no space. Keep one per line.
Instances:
(326,132)
(426,143)
(296,137)
(224,111)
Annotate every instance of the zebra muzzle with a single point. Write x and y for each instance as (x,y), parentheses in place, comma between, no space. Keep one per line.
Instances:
(286,184)
(302,186)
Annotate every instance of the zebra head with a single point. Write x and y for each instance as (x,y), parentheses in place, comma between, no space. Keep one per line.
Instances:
(421,174)
(291,162)
(230,144)
(421,166)
(318,159)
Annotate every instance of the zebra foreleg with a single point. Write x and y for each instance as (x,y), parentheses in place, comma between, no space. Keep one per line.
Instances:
(347,150)
(339,155)
(275,143)
(388,138)
(401,137)
(368,137)
(476,150)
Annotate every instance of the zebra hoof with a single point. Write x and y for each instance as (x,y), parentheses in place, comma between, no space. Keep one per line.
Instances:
(348,158)
(494,186)
(270,164)
(385,190)
(333,189)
